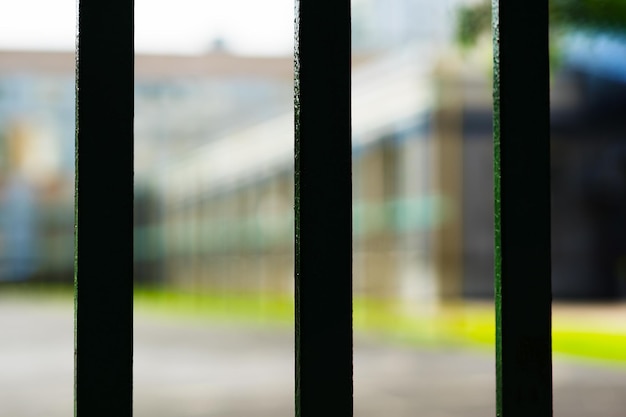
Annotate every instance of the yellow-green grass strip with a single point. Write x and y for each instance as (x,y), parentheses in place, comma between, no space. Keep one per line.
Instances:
(574,333)
(459,324)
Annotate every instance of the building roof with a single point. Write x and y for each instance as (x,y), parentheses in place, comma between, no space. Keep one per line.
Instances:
(156,66)
(389,96)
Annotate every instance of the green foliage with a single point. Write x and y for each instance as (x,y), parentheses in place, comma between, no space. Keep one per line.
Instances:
(594,15)
(601,15)
(472,21)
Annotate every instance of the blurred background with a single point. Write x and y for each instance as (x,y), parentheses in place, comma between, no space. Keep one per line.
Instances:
(214,207)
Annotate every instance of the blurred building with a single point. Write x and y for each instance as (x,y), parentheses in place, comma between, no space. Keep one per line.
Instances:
(588,143)
(200,218)
(36,167)
(229,205)
(180,103)
(214,166)
(383,25)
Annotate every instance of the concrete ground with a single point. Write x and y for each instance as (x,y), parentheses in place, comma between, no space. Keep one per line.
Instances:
(200,370)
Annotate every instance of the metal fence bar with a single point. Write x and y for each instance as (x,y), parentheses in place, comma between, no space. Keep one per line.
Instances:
(104,209)
(323,209)
(522,198)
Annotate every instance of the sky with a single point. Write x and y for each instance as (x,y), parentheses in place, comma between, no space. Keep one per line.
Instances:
(249,27)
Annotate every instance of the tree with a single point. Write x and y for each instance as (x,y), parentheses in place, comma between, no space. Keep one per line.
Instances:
(607,16)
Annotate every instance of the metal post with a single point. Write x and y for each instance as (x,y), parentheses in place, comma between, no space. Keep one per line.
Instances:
(522,208)
(323,209)
(104,209)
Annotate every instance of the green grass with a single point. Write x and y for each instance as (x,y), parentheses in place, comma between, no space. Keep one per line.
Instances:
(222,307)
(466,325)
(590,344)
(460,325)
(585,340)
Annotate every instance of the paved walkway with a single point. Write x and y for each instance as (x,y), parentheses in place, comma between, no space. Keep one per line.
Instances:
(185,370)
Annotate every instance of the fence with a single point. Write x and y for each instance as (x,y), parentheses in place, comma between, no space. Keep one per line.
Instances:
(103,266)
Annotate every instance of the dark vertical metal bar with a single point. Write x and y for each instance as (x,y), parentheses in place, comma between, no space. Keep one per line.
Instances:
(104,209)
(323,209)
(522,196)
